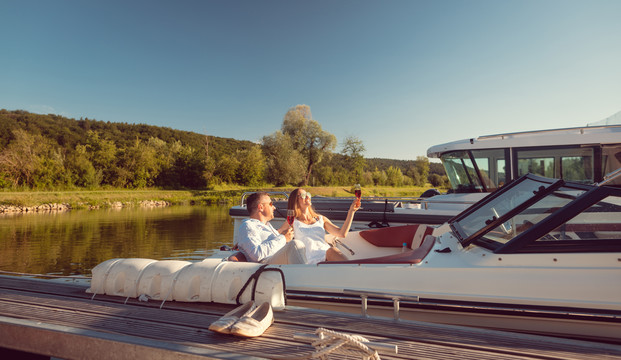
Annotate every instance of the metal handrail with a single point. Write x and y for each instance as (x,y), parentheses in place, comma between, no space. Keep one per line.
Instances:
(396,298)
(609,177)
(417,200)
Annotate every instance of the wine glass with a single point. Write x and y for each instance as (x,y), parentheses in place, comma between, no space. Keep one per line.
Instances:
(358,193)
(290,216)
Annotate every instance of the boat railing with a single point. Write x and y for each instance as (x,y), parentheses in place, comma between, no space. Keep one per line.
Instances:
(404,202)
(271,193)
(425,203)
(396,299)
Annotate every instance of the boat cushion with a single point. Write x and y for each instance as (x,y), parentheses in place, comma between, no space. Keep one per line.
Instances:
(412,235)
(407,257)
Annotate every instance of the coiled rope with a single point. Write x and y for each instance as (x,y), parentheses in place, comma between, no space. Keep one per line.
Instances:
(329,342)
(332,341)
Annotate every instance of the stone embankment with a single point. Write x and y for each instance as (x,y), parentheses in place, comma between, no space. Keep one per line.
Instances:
(10,209)
(13,209)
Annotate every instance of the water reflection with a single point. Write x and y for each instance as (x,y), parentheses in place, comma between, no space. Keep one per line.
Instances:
(73,243)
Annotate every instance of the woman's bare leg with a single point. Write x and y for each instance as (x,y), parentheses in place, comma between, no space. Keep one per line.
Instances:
(334,254)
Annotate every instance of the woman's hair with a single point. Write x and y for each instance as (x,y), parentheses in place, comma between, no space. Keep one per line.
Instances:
(293,204)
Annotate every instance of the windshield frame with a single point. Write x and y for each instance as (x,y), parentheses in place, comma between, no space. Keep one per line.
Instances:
(459,224)
(526,240)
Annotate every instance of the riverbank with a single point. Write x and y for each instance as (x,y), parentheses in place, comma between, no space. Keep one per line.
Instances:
(42,201)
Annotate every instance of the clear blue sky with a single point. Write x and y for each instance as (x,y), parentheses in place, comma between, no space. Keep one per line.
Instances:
(400,75)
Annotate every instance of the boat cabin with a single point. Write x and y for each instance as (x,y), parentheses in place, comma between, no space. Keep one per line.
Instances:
(483,164)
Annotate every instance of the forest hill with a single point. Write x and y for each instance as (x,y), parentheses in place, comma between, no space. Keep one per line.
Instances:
(54,152)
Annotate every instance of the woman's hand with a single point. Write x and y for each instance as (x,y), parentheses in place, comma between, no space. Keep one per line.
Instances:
(354,206)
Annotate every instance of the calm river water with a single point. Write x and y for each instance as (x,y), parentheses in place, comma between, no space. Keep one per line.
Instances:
(72,243)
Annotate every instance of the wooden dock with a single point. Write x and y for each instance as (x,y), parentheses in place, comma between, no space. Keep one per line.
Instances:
(60,320)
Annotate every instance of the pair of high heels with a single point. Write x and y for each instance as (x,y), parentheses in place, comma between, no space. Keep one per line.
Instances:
(247,320)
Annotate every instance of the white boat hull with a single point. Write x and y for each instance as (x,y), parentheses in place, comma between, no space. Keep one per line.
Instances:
(566,294)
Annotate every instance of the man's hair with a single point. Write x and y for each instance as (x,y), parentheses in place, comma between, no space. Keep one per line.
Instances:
(252,203)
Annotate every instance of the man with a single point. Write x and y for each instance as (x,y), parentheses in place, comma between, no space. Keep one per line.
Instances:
(259,241)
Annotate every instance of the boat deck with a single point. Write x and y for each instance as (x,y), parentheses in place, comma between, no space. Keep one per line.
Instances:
(60,320)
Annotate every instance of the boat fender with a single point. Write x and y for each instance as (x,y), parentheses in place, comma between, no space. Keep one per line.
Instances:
(255,276)
(208,280)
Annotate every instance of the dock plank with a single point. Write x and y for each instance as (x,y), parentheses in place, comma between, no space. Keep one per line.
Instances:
(182,329)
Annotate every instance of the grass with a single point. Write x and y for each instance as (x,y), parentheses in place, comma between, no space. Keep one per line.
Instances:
(223,194)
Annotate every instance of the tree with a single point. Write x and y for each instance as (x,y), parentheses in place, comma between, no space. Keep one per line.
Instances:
(395,176)
(251,169)
(140,164)
(102,153)
(422,165)
(50,171)
(33,161)
(438,180)
(285,165)
(226,168)
(307,137)
(82,170)
(19,161)
(379,177)
(353,149)
(189,167)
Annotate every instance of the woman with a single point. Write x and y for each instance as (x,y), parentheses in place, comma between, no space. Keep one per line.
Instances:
(310,228)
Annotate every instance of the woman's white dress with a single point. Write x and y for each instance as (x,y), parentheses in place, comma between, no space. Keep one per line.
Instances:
(313,237)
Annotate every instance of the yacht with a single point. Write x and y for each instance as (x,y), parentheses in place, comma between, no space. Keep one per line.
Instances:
(476,167)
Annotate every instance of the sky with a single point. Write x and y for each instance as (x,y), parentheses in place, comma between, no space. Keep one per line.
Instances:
(399,75)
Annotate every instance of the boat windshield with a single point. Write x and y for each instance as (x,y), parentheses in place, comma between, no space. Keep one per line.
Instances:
(482,215)
(543,215)
(533,214)
(475,171)
(598,222)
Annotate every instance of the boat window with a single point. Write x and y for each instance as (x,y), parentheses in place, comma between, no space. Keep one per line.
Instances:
(501,166)
(543,166)
(460,171)
(568,163)
(532,215)
(599,222)
(479,218)
(491,164)
(577,168)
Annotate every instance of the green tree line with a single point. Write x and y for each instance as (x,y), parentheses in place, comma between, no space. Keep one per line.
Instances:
(55,152)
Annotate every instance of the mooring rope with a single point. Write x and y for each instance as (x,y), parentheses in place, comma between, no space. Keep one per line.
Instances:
(332,341)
